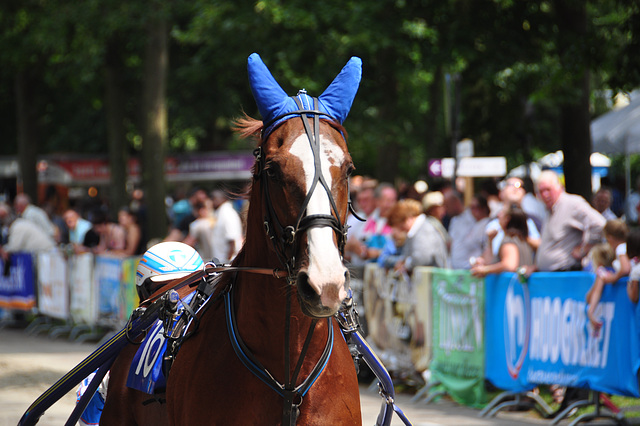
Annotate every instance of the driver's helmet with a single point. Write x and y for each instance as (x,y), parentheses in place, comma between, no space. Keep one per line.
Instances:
(163,262)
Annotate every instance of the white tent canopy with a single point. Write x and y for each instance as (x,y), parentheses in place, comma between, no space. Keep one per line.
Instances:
(618,132)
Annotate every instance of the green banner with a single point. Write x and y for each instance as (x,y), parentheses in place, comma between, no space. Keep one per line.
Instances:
(458,341)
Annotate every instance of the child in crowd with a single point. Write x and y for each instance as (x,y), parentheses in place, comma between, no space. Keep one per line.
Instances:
(616,233)
(600,258)
(392,250)
(633,251)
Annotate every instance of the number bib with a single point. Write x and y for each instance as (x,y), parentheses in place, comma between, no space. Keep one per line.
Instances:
(146,373)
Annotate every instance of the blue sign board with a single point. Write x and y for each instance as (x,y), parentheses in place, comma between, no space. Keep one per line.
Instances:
(538,332)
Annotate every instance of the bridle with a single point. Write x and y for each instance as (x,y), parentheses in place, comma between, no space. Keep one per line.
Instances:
(286,238)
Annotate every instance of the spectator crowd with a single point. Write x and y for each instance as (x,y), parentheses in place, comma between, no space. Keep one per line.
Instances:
(513,225)
(209,222)
(508,225)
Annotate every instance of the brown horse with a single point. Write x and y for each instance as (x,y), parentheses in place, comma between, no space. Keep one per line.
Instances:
(272,353)
(208,382)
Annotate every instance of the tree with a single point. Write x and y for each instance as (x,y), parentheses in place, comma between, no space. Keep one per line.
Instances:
(20,52)
(575,119)
(524,68)
(115,117)
(155,125)
(27,118)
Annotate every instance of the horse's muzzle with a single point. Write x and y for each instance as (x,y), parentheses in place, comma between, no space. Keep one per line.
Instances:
(320,305)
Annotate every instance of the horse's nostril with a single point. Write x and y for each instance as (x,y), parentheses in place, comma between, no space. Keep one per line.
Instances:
(304,288)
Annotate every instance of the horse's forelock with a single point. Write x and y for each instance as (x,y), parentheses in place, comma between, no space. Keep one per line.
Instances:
(247,127)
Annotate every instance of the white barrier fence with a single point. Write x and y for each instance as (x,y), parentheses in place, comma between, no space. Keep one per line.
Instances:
(82,290)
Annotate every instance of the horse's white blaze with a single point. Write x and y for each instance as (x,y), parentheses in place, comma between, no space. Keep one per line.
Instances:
(326,271)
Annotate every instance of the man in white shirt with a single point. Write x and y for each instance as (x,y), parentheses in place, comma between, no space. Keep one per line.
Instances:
(467,232)
(227,232)
(24,235)
(201,231)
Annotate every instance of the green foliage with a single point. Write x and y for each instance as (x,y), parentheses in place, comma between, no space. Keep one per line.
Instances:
(513,66)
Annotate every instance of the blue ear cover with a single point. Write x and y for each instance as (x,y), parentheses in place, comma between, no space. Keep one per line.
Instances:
(273,101)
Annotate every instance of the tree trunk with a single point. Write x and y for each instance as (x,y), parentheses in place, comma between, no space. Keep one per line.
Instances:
(576,144)
(576,139)
(116,135)
(27,118)
(155,127)
(432,147)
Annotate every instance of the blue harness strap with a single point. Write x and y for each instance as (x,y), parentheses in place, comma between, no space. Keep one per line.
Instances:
(347,318)
(249,361)
(385,383)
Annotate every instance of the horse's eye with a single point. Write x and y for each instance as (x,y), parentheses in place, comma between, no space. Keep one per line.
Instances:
(350,169)
(272,170)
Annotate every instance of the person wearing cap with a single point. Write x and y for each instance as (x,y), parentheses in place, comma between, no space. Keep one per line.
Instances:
(433,204)
(433,207)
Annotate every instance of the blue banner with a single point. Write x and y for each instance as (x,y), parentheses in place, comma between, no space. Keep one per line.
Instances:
(538,333)
(507,329)
(107,275)
(17,287)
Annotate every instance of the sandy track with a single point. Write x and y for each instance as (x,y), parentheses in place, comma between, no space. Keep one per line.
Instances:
(29,365)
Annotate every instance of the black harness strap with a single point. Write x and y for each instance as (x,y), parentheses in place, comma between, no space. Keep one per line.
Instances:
(332,220)
(293,400)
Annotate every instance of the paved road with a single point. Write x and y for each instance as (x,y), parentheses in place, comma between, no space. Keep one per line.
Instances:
(30,364)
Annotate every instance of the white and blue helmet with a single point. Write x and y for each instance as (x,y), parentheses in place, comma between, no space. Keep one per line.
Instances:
(167,261)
